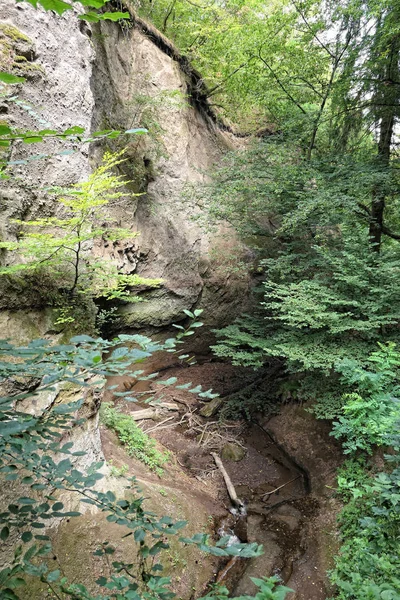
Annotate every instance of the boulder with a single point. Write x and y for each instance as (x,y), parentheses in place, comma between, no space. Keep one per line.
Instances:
(208,410)
(233,451)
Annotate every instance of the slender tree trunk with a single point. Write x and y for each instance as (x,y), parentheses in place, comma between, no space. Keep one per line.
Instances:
(76,269)
(167,16)
(389,99)
(378,201)
(321,109)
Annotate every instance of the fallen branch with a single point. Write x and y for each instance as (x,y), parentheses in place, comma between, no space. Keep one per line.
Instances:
(280,487)
(169,426)
(232,440)
(202,435)
(147,392)
(229,485)
(153,413)
(164,405)
(159,424)
(140,415)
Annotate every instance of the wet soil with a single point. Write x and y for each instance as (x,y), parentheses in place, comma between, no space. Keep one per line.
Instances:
(287,511)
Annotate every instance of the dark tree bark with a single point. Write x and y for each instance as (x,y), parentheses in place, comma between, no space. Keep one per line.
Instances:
(389,108)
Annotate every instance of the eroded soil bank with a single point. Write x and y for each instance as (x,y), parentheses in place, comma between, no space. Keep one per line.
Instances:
(285,476)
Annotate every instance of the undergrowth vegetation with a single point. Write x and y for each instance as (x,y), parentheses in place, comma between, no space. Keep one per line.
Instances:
(134,439)
(368,564)
(371,414)
(37,459)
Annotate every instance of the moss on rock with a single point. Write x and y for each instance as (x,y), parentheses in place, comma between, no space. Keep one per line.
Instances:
(13,33)
(17,53)
(161,307)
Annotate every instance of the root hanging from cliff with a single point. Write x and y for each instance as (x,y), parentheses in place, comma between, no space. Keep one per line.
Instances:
(197,90)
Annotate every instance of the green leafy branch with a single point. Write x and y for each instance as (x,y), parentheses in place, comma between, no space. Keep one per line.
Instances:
(73,134)
(31,452)
(59,245)
(60,7)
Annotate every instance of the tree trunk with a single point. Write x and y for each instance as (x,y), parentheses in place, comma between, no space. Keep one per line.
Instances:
(388,98)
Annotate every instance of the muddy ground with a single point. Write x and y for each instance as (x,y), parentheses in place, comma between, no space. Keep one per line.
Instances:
(286,477)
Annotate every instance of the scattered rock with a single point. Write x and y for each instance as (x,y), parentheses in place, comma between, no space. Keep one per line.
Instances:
(288,515)
(208,410)
(233,452)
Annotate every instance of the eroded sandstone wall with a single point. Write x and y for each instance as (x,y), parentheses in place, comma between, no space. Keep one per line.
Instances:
(105,76)
(92,77)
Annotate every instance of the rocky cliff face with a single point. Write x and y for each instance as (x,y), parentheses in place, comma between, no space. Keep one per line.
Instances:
(103,77)
(97,78)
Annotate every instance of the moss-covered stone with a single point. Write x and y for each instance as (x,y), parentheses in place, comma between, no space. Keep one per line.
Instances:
(160,307)
(211,408)
(233,452)
(17,53)
(13,33)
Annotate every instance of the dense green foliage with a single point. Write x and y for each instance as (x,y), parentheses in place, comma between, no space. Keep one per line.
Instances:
(370,415)
(318,203)
(270,589)
(368,563)
(316,197)
(327,294)
(369,560)
(238,48)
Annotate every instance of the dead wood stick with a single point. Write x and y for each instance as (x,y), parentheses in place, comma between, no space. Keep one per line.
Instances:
(164,405)
(182,418)
(181,402)
(164,427)
(139,415)
(229,485)
(151,413)
(159,424)
(202,435)
(146,393)
(280,487)
(226,438)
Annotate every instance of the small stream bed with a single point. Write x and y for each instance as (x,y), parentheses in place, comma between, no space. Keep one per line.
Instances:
(276,495)
(280,507)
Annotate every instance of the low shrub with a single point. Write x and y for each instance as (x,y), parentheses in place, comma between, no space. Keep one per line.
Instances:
(137,443)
